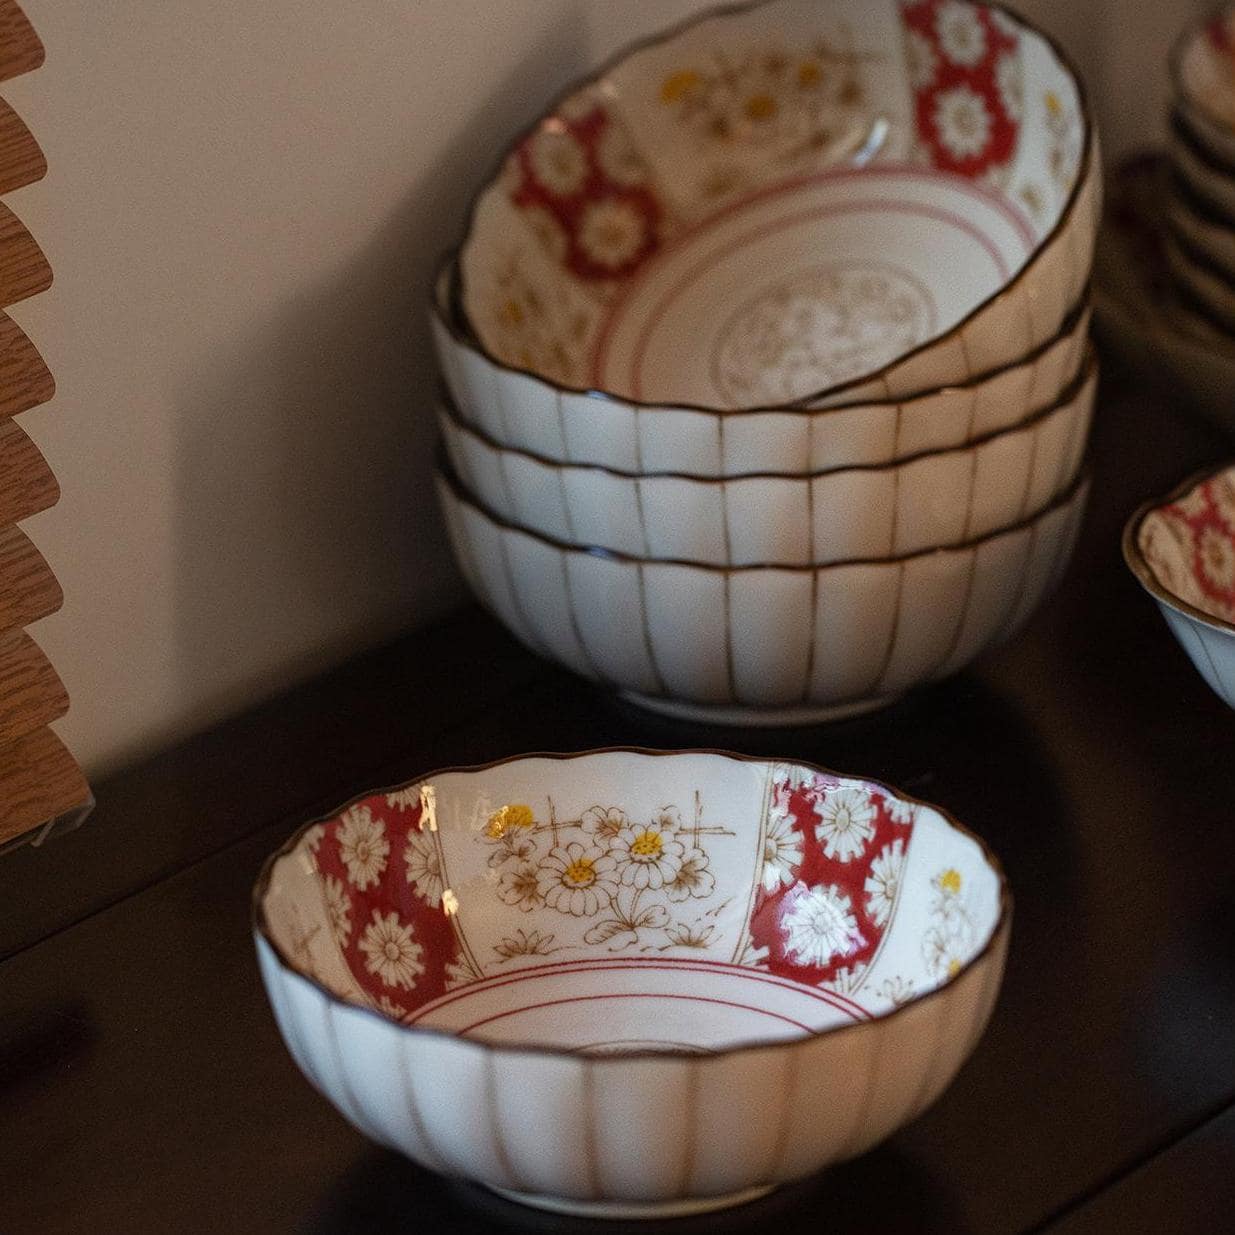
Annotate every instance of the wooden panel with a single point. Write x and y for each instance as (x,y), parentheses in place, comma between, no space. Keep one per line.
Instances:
(27,484)
(31,692)
(28,589)
(21,50)
(23,267)
(25,380)
(21,160)
(39,781)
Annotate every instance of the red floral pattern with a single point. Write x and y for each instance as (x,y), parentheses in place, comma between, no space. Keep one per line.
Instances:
(388,891)
(843,876)
(1204,524)
(962,117)
(572,203)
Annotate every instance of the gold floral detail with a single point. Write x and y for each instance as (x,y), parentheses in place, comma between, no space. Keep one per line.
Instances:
(507,818)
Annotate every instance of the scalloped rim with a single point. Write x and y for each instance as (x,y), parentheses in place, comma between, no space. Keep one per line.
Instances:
(262,931)
(1084,169)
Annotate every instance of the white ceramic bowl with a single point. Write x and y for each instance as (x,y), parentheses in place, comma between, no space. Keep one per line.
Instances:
(632,983)
(790,201)
(1201,228)
(1202,283)
(1182,549)
(1202,64)
(760,645)
(634,437)
(1205,175)
(929,501)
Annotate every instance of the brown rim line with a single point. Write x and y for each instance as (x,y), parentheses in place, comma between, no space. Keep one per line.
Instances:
(1135,559)
(444,474)
(1180,128)
(1085,376)
(1194,204)
(1195,257)
(444,315)
(1084,168)
(1174,64)
(262,886)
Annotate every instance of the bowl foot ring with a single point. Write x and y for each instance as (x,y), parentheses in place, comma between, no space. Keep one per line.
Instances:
(635,1209)
(757,717)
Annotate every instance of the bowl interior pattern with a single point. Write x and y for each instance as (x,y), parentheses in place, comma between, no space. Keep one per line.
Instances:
(804,192)
(620,901)
(1189,545)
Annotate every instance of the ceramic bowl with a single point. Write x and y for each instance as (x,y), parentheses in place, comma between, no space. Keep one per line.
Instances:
(759,645)
(931,500)
(1202,64)
(791,201)
(1201,228)
(632,983)
(1182,549)
(633,437)
(1202,282)
(1207,178)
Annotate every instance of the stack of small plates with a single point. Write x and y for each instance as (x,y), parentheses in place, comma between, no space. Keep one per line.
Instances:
(767,360)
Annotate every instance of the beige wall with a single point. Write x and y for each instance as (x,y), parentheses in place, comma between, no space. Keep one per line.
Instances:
(244,204)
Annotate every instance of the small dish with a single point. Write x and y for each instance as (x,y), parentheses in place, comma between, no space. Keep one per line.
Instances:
(930,500)
(576,428)
(759,645)
(792,202)
(1202,65)
(632,983)
(1182,549)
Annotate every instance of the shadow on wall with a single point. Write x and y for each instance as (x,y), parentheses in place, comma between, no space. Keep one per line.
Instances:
(322,424)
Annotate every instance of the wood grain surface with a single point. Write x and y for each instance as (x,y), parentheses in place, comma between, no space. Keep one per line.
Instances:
(21,49)
(27,483)
(24,270)
(25,380)
(28,588)
(22,162)
(31,692)
(39,781)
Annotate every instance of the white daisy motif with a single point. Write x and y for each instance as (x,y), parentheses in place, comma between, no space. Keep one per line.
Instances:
(340,906)
(960,33)
(578,879)
(693,877)
(846,823)
(962,121)
(604,823)
(392,1009)
(897,990)
(424,866)
(520,887)
(647,857)
(782,852)
(921,58)
(846,981)
(404,799)
(611,232)
(899,811)
(363,846)
(883,882)
(1217,554)
(393,955)
(557,160)
(668,819)
(819,925)
(618,159)
(1011,84)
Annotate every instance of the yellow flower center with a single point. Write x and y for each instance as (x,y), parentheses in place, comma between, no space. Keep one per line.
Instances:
(678,85)
(809,74)
(647,844)
(1053,105)
(950,881)
(954,967)
(580,873)
(512,313)
(760,107)
(513,815)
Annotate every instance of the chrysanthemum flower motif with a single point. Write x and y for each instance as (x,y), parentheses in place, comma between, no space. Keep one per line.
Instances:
(1011,84)
(524,943)
(618,158)
(818,925)
(846,981)
(424,866)
(508,818)
(612,232)
(939,952)
(782,852)
(883,882)
(392,1009)
(339,905)
(962,122)
(363,846)
(404,799)
(900,811)
(647,857)
(521,887)
(846,823)
(693,877)
(578,879)
(604,823)
(960,33)
(557,160)
(1217,555)
(921,60)
(392,954)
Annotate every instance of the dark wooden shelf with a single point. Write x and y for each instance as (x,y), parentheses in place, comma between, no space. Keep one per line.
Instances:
(145,1088)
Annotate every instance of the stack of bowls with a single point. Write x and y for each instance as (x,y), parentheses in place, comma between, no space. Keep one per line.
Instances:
(1200,207)
(766,349)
